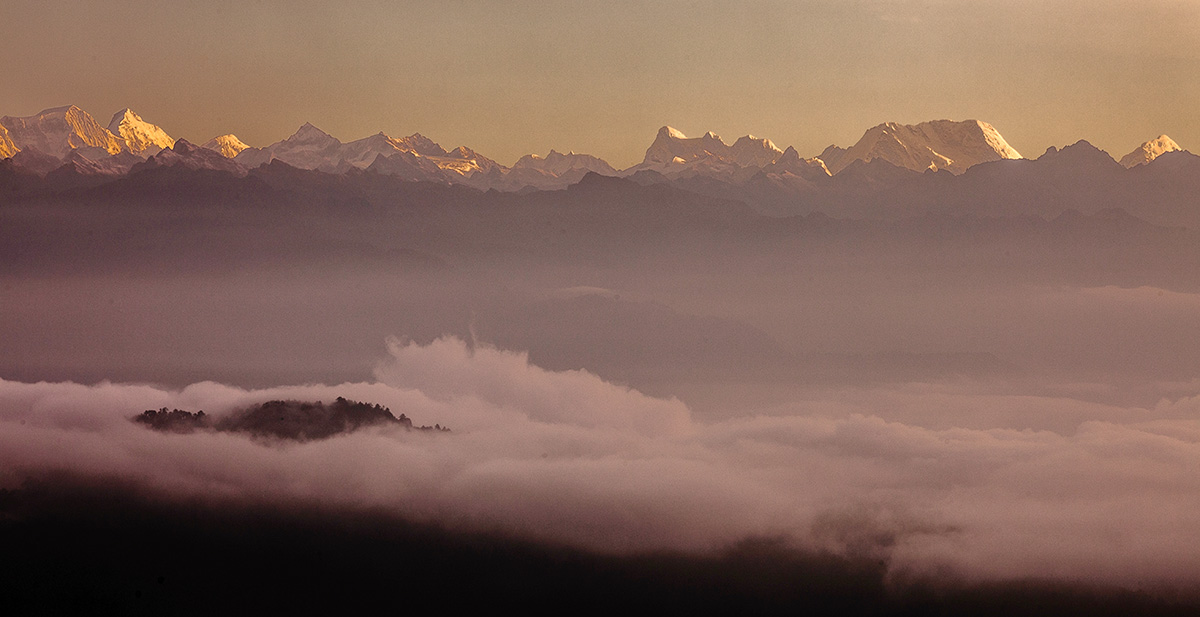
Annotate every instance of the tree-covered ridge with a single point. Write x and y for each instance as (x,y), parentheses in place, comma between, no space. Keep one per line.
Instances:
(295,420)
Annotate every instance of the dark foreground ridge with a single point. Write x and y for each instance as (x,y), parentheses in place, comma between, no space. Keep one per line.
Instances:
(88,546)
(294,420)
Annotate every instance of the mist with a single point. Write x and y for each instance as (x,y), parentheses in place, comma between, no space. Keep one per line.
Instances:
(565,456)
(626,370)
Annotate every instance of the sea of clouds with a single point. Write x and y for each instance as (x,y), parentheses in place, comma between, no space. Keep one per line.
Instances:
(930,477)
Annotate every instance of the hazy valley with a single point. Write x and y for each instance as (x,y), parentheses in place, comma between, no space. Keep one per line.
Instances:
(920,352)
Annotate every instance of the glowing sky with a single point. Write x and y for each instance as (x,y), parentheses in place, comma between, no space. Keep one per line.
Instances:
(508,78)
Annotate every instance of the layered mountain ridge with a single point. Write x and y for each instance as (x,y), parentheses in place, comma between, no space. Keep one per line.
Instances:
(752,169)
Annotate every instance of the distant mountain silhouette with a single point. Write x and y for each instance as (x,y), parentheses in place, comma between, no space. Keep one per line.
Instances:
(940,144)
(893,171)
(185,154)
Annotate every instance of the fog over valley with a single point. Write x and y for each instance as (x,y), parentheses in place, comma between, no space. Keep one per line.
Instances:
(729,376)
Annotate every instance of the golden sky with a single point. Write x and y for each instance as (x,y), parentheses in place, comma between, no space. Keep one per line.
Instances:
(509,78)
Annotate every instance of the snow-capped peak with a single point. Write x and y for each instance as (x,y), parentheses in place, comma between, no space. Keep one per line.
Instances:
(1149,151)
(308,148)
(7,147)
(751,151)
(58,130)
(558,163)
(791,162)
(421,145)
(996,141)
(671,132)
(672,149)
(140,137)
(228,145)
(938,144)
(462,152)
(308,133)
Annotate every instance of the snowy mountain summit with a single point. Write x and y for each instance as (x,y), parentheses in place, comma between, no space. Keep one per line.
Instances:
(557,163)
(140,137)
(308,148)
(939,144)
(674,152)
(7,147)
(228,145)
(59,130)
(1149,151)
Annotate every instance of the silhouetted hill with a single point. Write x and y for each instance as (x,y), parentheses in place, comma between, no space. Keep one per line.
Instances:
(294,420)
(16,182)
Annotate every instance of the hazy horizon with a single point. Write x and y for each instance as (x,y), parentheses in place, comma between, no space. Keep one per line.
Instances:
(918,376)
(600,78)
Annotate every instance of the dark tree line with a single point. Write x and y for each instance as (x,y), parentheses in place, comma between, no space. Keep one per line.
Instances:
(294,420)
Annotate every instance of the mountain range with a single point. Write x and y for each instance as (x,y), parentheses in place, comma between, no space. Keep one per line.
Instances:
(68,145)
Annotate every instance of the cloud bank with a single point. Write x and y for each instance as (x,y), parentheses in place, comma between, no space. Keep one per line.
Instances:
(927,477)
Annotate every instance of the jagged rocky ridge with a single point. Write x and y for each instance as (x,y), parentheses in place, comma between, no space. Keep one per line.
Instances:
(1077,177)
(291,420)
(70,138)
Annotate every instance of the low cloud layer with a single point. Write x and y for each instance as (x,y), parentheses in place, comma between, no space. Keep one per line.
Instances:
(928,477)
